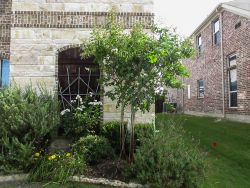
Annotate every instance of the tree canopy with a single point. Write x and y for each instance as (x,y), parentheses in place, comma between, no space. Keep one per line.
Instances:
(137,62)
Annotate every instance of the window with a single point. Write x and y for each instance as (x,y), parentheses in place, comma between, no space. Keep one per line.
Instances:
(199,43)
(216,31)
(4,72)
(232,74)
(200,88)
(0,73)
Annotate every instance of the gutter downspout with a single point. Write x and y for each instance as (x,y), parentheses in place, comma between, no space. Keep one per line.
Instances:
(222,67)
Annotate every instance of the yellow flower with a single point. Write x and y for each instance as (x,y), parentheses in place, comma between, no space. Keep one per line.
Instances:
(36,154)
(52,157)
(68,155)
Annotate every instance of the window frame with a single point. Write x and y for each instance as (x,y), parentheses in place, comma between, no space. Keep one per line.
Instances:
(215,42)
(200,89)
(5,73)
(198,44)
(1,68)
(230,68)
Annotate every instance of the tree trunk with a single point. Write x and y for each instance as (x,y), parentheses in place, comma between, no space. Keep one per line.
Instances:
(122,132)
(132,135)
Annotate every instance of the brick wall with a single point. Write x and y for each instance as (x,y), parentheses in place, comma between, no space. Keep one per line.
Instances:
(56,19)
(207,66)
(237,41)
(5,25)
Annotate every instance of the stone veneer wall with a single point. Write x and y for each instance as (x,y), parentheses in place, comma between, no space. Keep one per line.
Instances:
(42,28)
(83,5)
(5,25)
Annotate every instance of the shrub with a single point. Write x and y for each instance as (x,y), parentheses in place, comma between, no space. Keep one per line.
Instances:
(143,130)
(56,167)
(27,119)
(94,148)
(168,160)
(111,131)
(82,118)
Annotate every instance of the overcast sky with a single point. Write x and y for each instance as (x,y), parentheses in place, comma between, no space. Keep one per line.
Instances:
(184,15)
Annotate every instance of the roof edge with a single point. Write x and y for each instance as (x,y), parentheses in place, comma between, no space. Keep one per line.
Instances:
(236,10)
(220,7)
(209,17)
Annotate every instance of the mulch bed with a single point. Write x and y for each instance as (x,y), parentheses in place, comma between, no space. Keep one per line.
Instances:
(109,169)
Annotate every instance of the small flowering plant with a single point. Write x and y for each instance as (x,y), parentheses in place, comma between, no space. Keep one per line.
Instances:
(56,167)
(82,118)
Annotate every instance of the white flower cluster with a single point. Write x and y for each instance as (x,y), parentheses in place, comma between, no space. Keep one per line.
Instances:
(95,103)
(115,50)
(80,108)
(78,97)
(65,111)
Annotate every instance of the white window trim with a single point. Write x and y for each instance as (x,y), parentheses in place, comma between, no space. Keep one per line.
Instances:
(198,46)
(213,23)
(230,99)
(198,90)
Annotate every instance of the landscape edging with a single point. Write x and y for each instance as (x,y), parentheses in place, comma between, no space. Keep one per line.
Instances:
(82,179)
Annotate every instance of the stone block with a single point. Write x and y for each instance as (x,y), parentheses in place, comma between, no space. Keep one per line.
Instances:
(83,5)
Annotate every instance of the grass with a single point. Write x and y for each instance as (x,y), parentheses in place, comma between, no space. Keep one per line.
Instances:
(230,160)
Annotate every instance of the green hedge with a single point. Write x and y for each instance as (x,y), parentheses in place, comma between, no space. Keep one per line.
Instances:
(94,149)
(111,131)
(166,159)
(27,118)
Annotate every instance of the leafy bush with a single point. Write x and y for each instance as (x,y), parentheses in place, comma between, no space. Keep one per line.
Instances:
(143,130)
(82,119)
(168,160)
(111,131)
(56,167)
(94,148)
(27,119)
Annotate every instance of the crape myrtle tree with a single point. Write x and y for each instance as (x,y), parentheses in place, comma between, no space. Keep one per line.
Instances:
(136,64)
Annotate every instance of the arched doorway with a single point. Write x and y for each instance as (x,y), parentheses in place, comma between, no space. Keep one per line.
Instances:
(76,76)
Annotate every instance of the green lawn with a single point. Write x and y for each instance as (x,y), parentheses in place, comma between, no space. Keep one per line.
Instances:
(230,160)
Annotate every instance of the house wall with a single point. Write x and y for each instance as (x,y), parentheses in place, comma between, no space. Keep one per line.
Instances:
(42,28)
(5,24)
(83,5)
(237,41)
(208,66)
